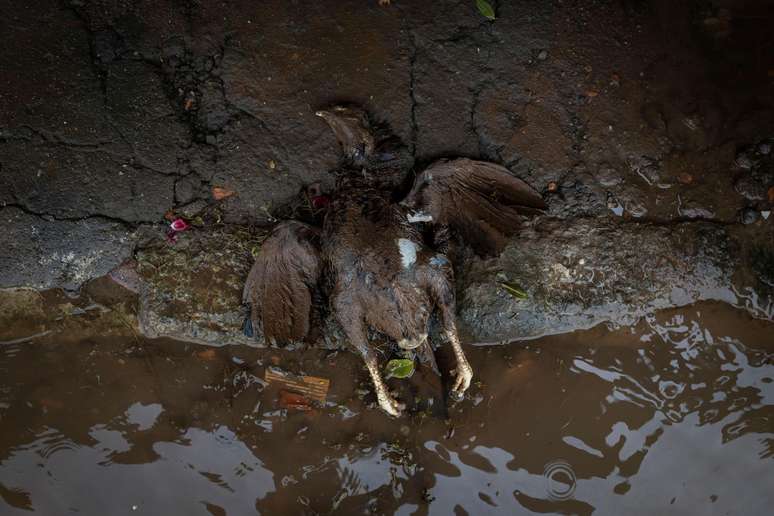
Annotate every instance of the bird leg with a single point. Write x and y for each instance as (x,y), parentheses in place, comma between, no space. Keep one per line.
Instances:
(353,325)
(442,292)
(389,404)
(463,373)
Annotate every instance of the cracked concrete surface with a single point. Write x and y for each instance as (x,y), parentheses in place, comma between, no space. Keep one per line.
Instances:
(649,116)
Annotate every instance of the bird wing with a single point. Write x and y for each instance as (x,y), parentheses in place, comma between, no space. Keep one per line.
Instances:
(279,286)
(483,202)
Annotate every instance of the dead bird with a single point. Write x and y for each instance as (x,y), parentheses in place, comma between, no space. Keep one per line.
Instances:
(381,257)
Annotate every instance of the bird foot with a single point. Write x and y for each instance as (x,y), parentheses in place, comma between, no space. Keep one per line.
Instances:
(389,404)
(464,374)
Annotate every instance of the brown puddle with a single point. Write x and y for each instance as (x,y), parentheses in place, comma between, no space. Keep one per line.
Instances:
(674,415)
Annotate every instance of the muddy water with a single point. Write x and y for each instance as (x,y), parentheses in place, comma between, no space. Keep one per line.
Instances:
(673,416)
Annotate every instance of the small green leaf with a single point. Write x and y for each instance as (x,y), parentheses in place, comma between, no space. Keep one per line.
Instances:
(514,290)
(400,368)
(485,9)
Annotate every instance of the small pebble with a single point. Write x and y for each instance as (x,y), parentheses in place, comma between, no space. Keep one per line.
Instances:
(749,216)
(743,161)
(543,55)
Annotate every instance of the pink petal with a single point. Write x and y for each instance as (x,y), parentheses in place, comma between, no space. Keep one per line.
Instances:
(179,225)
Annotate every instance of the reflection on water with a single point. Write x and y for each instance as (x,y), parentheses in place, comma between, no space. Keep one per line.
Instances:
(674,415)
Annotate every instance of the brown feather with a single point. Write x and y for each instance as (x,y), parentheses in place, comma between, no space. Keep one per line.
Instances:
(279,286)
(482,201)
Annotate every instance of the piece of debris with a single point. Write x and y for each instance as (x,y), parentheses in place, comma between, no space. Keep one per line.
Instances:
(207,354)
(175,227)
(553,187)
(293,400)
(514,290)
(178,225)
(685,178)
(313,387)
(219,193)
(485,8)
(399,368)
(614,206)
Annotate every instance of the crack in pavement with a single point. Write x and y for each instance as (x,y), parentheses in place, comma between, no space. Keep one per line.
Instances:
(49,217)
(412,94)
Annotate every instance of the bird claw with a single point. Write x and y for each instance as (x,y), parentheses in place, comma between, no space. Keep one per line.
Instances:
(390,405)
(464,375)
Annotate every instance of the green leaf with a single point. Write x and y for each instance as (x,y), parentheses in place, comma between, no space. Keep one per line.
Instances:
(399,368)
(485,9)
(514,290)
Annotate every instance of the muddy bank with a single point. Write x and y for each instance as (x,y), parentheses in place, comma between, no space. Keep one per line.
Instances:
(573,274)
(582,273)
(118,115)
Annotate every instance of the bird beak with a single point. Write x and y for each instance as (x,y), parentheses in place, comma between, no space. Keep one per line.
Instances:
(352,130)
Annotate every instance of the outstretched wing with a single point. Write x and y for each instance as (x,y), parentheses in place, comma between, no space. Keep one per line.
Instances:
(280,284)
(481,201)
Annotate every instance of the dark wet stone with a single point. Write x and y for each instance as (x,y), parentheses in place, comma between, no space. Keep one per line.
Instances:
(56,253)
(193,288)
(636,209)
(751,187)
(647,169)
(191,209)
(188,188)
(608,176)
(696,212)
(749,216)
(744,161)
(580,273)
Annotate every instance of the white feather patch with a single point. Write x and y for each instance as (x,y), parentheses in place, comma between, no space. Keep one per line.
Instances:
(408,252)
(420,216)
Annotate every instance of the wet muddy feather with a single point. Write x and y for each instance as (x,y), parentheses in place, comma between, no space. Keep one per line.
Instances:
(481,201)
(279,287)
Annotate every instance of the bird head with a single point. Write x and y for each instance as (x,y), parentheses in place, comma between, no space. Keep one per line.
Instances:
(353,130)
